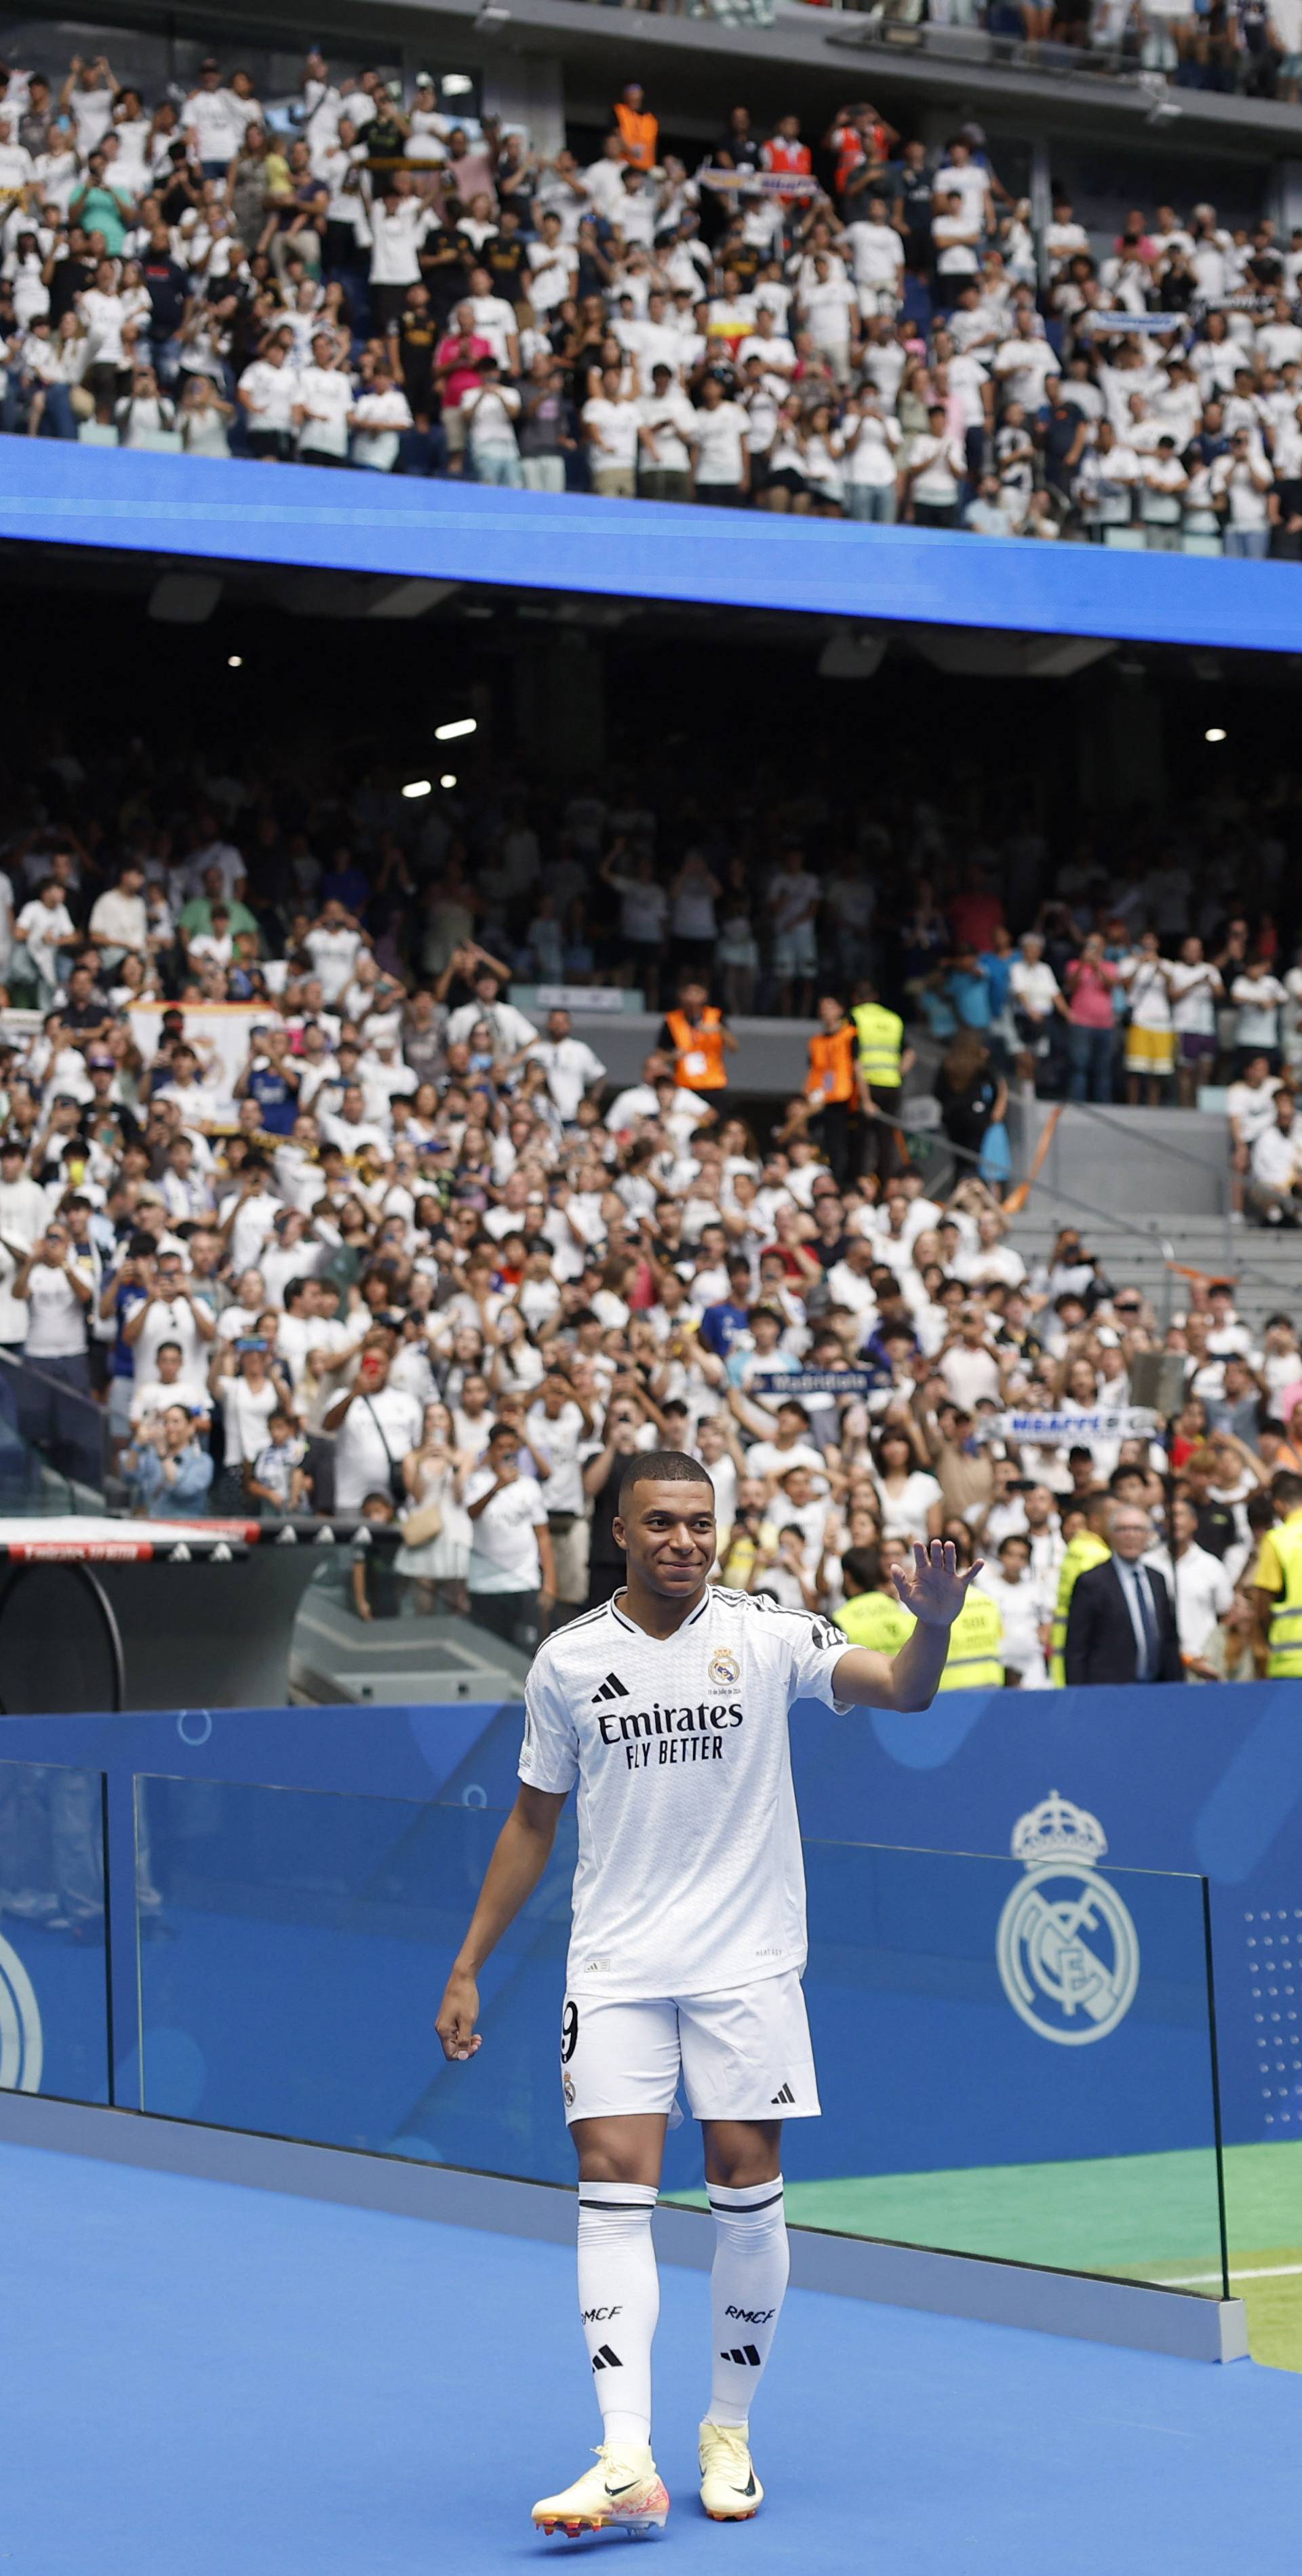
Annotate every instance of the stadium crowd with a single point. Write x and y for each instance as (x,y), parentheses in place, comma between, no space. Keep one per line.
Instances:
(374,1240)
(858,325)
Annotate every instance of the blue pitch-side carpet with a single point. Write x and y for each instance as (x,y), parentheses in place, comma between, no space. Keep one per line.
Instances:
(202,2379)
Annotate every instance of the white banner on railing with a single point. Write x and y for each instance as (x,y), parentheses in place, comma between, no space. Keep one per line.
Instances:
(761,183)
(1054,1430)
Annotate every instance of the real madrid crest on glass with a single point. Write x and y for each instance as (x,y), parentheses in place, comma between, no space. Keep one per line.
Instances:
(1067,1950)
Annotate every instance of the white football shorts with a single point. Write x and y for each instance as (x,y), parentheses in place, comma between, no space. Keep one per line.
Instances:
(742,2055)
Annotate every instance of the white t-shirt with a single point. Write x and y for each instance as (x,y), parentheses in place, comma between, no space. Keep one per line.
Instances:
(1023,367)
(1252,1108)
(904,1515)
(689,1877)
(1033,985)
(1145,983)
(380,417)
(722,437)
(171,1319)
(1193,998)
(1201,1590)
(56,1317)
(672,423)
(333,954)
(560,1438)
(327,397)
(941,462)
(616,423)
(572,1069)
(246,1411)
(213,120)
(269,394)
(1024,1607)
(362,1466)
(504,1540)
(1258,999)
(877,253)
(46,929)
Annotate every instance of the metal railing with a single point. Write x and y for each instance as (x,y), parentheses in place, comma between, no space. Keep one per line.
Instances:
(54,1452)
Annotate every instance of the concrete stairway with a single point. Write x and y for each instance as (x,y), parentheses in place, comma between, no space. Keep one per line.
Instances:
(1266,1268)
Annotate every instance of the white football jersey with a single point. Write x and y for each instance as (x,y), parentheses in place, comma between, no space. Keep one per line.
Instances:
(689,1877)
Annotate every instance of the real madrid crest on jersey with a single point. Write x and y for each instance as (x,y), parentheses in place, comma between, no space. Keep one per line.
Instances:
(1066,1948)
(725,1670)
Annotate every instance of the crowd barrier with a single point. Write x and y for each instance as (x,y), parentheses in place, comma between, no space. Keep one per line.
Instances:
(1054,1946)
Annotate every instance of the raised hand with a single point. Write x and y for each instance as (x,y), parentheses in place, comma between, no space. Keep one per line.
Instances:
(932,1587)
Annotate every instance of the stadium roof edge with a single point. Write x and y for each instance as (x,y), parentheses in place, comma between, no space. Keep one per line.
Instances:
(231,511)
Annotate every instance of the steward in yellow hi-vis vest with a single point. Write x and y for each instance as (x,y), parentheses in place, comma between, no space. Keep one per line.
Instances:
(881,1045)
(976,1641)
(879,1620)
(1277,1579)
(1088,1547)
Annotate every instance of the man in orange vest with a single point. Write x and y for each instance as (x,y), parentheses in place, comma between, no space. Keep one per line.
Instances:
(698,1039)
(831,1086)
(638,131)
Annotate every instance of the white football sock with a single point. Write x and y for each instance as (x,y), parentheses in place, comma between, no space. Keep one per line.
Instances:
(619,2300)
(747,2286)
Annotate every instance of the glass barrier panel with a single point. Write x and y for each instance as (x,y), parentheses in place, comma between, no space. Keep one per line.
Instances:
(294,1948)
(1013,2061)
(54,2023)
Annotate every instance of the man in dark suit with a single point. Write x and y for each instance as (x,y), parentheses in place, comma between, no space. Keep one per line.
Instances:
(1121,1624)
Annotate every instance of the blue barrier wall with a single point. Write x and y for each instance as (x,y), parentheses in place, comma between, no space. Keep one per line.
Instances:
(1193,1781)
(232,511)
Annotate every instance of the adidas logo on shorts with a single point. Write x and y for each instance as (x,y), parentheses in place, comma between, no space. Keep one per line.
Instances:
(786,2095)
(611,1688)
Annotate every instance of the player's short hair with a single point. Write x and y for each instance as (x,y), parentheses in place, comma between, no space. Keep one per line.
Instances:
(864,1567)
(1286,1488)
(662,1467)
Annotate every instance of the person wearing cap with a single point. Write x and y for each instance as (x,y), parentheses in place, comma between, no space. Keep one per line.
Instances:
(428,130)
(213,121)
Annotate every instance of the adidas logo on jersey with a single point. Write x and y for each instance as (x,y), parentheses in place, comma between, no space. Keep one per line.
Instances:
(611,1688)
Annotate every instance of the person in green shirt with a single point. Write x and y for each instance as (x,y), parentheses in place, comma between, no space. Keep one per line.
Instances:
(100,205)
(196,915)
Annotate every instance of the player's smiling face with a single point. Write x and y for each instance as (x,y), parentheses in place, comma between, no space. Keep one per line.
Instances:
(669,1537)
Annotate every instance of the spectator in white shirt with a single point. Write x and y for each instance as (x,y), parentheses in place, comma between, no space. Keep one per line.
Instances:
(721,460)
(611,425)
(934,468)
(573,1071)
(667,433)
(267,394)
(1243,489)
(324,405)
(1275,1189)
(1258,997)
(491,410)
(377,420)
